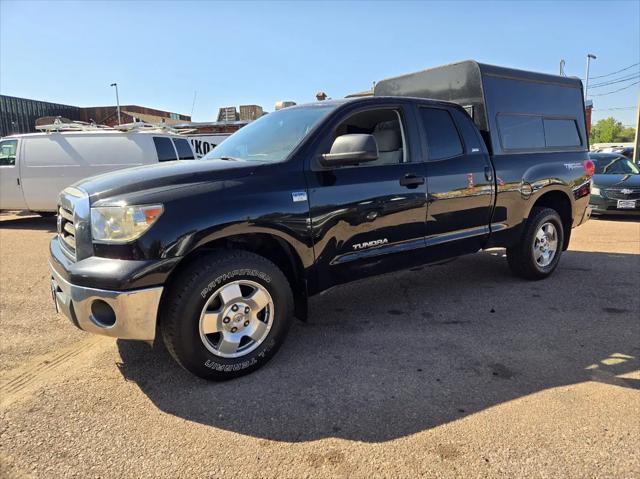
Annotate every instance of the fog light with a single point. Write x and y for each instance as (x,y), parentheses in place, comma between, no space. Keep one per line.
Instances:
(102,314)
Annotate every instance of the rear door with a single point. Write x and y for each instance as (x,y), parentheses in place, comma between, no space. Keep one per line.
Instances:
(368,219)
(460,182)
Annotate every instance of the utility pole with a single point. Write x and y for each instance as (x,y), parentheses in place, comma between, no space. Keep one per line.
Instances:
(590,56)
(636,153)
(118,102)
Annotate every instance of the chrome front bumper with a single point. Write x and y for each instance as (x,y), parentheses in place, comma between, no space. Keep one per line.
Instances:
(135,312)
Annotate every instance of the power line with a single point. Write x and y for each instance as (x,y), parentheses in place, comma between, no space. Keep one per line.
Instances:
(616,91)
(613,73)
(615,108)
(616,80)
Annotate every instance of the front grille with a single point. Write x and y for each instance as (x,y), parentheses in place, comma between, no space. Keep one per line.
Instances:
(617,193)
(67,229)
(74,228)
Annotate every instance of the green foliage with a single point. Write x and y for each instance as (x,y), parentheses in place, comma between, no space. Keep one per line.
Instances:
(610,130)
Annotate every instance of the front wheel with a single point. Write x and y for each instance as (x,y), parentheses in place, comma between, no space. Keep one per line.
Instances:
(538,253)
(227,314)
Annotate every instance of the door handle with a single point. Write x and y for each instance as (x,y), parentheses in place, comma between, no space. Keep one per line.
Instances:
(488,173)
(412,181)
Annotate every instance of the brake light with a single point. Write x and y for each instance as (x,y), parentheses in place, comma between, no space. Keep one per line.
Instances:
(589,167)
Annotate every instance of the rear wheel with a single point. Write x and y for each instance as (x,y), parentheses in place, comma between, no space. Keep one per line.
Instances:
(538,253)
(227,314)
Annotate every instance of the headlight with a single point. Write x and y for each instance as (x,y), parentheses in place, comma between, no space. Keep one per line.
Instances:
(595,190)
(121,224)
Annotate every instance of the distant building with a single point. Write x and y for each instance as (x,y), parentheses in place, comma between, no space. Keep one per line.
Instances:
(247,113)
(250,112)
(108,115)
(588,108)
(228,114)
(18,115)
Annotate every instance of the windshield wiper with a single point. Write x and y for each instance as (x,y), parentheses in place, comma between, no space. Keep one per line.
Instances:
(227,158)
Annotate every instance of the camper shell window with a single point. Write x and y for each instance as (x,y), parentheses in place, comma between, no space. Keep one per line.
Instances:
(533,132)
(561,132)
(521,132)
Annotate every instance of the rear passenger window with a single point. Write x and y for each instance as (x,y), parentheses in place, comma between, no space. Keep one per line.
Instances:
(442,136)
(519,132)
(561,133)
(184,149)
(164,148)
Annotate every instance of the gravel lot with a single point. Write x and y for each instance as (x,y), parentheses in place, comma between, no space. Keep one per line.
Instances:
(444,371)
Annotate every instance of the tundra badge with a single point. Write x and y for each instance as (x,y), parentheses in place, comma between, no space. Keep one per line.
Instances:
(369,244)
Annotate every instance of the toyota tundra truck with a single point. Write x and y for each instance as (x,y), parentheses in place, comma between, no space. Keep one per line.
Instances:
(217,256)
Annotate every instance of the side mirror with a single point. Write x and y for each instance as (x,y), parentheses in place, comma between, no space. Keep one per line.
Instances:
(351,149)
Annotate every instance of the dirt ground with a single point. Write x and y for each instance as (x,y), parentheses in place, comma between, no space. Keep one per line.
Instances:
(442,371)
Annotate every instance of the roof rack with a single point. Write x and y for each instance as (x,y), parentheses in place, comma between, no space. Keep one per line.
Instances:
(60,124)
(64,124)
(141,125)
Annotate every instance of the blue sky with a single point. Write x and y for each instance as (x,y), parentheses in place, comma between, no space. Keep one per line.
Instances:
(242,52)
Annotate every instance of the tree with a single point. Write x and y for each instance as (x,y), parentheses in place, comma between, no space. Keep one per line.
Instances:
(609,130)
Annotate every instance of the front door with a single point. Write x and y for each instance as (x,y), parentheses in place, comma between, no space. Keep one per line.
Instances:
(10,189)
(367,219)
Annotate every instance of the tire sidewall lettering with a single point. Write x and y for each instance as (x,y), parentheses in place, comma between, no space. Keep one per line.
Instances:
(223,278)
(242,365)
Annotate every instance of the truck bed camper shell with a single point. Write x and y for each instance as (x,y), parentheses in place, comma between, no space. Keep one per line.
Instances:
(516,111)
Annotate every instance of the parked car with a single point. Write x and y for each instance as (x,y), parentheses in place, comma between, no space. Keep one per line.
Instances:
(219,254)
(626,151)
(616,185)
(35,167)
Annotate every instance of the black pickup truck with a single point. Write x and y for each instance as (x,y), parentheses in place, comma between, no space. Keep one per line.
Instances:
(218,255)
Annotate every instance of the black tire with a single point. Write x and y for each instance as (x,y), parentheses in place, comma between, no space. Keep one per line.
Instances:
(181,309)
(521,256)
(46,214)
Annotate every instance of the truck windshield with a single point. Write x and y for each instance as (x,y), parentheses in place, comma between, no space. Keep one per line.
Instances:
(272,137)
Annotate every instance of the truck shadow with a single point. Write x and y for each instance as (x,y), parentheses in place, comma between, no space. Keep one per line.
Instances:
(26,221)
(392,356)
(621,218)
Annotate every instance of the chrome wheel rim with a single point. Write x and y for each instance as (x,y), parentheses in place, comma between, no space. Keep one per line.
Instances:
(545,245)
(236,319)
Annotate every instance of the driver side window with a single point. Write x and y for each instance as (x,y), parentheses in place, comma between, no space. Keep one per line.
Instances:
(8,152)
(385,126)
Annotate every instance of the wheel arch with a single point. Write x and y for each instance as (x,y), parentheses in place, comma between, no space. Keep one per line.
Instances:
(269,246)
(559,201)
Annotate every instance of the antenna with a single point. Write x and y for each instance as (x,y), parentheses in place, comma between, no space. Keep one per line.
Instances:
(193,105)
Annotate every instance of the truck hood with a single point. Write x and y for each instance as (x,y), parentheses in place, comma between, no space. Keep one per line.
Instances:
(617,181)
(163,175)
